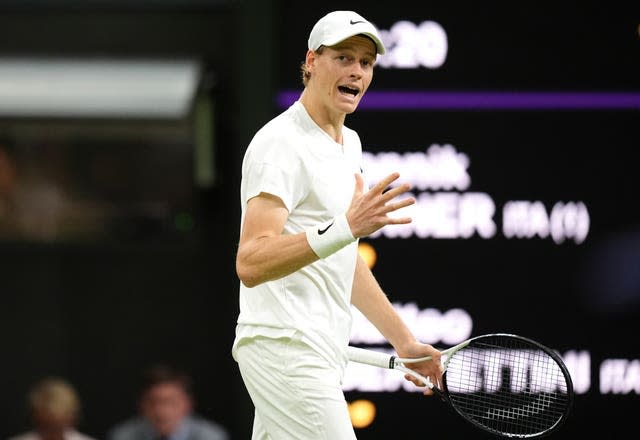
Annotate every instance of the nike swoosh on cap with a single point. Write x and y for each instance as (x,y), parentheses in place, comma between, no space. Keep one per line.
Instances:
(355,22)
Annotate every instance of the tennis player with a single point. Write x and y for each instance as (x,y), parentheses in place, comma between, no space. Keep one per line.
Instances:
(304,207)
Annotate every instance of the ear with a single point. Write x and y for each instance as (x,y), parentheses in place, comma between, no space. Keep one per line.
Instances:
(310,59)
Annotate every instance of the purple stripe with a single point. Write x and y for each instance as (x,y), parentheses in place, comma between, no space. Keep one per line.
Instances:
(421,100)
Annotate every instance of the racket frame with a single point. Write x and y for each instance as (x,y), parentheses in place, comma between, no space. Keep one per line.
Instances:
(385,360)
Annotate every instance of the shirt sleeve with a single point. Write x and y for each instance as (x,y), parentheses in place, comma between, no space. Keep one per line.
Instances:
(271,179)
(274,168)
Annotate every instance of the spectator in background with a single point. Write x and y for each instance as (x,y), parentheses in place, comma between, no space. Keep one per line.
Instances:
(8,178)
(54,409)
(32,206)
(166,411)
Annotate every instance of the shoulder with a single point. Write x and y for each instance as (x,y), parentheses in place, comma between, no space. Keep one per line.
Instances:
(281,126)
(203,429)
(127,430)
(288,128)
(24,436)
(75,435)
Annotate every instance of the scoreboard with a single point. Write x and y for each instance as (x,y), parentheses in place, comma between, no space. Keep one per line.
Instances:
(517,126)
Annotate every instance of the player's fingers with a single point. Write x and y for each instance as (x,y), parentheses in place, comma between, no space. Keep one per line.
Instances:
(390,207)
(395,192)
(381,185)
(427,391)
(415,381)
(399,221)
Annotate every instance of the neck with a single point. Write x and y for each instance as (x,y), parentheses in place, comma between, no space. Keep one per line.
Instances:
(329,121)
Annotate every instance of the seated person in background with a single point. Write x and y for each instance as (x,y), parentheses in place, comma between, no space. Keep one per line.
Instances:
(166,411)
(54,409)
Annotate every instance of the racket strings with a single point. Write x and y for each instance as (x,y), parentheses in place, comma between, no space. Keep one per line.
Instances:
(507,386)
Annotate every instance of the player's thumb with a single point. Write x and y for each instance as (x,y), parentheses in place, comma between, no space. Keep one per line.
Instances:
(357,192)
(359,185)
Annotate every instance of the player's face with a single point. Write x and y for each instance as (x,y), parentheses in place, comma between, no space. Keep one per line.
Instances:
(343,72)
(165,406)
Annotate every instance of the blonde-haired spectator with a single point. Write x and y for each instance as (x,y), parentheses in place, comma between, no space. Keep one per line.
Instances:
(54,409)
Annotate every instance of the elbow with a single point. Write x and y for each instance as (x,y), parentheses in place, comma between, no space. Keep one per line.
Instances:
(249,281)
(247,277)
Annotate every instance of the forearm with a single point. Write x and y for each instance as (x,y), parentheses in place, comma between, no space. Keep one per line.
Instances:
(369,298)
(272,257)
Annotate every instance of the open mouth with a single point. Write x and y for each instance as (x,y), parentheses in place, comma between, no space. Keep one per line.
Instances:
(346,90)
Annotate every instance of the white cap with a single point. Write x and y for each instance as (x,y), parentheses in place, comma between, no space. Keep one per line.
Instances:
(337,26)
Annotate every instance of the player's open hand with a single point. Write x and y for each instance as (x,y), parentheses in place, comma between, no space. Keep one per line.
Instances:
(369,210)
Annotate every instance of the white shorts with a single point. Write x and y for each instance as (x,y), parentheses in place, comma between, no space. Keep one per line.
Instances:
(296,393)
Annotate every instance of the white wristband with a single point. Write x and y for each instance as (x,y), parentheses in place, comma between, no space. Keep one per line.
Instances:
(329,237)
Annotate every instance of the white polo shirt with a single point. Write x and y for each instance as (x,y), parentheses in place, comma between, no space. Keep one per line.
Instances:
(292,158)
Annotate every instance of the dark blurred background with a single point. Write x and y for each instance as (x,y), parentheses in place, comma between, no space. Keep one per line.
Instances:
(122,130)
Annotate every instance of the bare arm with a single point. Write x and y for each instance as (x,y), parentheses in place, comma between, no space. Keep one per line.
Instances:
(368,297)
(265,254)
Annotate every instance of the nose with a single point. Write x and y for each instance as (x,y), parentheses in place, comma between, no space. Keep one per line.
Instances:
(357,71)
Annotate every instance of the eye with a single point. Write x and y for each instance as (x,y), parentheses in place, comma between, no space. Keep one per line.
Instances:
(367,64)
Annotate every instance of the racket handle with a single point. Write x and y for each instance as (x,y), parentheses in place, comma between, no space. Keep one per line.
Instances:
(370,357)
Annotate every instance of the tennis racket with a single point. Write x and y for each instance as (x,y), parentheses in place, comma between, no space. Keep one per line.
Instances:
(504,384)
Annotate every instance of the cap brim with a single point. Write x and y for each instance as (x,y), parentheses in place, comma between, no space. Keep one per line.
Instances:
(380,49)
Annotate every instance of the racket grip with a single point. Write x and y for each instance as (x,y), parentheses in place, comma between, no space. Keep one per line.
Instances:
(370,357)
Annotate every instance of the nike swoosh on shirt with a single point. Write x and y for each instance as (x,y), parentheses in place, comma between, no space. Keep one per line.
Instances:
(322,231)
